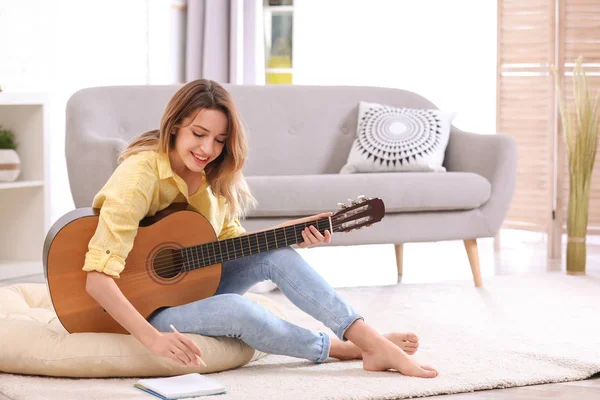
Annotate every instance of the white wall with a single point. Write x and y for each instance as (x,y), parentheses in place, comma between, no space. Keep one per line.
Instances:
(443,50)
(433,47)
(61,46)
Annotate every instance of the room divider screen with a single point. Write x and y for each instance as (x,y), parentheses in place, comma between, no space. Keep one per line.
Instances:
(532,36)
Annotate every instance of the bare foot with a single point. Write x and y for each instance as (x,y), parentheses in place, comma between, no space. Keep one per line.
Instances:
(385,355)
(407,341)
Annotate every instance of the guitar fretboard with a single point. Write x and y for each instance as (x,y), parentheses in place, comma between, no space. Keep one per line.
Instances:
(242,246)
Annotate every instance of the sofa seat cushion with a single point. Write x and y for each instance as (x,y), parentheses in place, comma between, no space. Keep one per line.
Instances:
(33,342)
(302,195)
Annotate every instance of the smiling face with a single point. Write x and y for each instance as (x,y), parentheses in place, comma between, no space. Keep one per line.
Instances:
(199,141)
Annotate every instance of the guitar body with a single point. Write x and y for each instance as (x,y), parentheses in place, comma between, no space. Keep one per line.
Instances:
(175,259)
(154,276)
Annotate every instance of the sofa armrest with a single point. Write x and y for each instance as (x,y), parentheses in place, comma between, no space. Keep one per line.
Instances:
(495,158)
(86,153)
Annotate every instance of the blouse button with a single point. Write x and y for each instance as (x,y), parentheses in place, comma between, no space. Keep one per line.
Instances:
(107,251)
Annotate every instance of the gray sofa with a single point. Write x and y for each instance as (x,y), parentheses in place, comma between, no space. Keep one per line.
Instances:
(299,138)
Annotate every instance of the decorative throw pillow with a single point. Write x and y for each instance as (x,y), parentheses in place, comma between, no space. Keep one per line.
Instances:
(391,139)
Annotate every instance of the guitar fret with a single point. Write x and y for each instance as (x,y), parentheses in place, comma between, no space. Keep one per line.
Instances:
(191,256)
(185,257)
(303,230)
(201,255)
(255,236)
(197,256)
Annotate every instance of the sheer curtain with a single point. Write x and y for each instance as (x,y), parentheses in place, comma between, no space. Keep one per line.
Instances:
(224,41)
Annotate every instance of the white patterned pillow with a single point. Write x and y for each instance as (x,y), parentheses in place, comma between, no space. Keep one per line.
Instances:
(391,139)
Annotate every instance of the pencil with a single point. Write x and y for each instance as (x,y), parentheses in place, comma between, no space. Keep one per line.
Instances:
(197,356)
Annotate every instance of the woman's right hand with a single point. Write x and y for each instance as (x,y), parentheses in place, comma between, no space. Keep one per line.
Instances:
(177,348)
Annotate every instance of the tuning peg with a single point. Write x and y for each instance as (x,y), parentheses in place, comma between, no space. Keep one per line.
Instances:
(341,206)
(362,198)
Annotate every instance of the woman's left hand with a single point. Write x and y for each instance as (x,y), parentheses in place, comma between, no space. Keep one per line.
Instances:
(311,235)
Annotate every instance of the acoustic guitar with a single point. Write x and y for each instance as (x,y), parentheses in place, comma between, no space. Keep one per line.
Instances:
(175,259)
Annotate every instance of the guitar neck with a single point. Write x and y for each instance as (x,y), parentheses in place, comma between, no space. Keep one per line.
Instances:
(242,246)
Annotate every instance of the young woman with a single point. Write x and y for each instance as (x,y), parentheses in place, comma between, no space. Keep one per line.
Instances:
(197,157)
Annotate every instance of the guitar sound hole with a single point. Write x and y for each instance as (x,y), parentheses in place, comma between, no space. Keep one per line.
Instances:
(168,263)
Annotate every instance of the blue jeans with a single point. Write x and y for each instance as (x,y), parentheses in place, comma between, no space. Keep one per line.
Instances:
(227,313)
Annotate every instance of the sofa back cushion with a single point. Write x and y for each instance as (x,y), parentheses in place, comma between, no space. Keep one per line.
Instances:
(292,129)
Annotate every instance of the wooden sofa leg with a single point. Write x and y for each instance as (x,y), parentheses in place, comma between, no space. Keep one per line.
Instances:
(472,253)
(399,248)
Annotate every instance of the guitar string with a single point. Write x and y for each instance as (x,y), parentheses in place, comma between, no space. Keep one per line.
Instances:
(335,223)
(177,266)
(334,220)
(216,243)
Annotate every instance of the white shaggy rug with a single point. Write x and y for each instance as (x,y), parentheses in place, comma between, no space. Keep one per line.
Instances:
(515,331)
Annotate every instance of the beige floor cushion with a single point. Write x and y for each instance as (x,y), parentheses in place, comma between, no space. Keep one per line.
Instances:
(32,341)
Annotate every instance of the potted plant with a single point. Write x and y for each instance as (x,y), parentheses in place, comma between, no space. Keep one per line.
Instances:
(10,163)
(581,130)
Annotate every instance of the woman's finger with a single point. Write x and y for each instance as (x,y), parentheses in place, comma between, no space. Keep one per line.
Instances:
(183,352)
(180,355)
(327,236)
(306,241)
(187,343)
(312,239)
(193,346)
(316,233)
(313,217)
(189,353)
(172,357)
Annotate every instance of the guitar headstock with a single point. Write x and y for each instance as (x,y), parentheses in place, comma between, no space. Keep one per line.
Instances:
(357,214)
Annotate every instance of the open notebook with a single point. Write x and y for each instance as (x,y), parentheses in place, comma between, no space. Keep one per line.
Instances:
(181,386)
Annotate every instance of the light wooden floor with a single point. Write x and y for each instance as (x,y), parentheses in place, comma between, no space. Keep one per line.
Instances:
(520,253)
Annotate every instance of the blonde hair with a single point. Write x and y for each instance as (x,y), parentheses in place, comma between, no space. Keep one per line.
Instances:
(224,175)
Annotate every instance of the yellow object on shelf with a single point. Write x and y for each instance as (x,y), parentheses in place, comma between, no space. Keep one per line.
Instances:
(276,78)
(279,77)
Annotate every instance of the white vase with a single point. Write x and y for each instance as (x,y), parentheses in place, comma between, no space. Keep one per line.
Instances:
(10,165)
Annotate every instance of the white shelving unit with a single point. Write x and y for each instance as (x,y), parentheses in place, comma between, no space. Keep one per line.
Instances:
(24,208)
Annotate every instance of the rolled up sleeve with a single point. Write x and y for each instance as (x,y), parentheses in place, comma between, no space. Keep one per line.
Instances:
(123,202)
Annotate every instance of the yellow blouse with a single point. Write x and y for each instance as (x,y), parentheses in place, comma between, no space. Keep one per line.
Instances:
(140,186)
